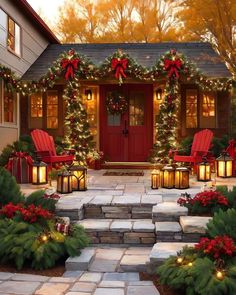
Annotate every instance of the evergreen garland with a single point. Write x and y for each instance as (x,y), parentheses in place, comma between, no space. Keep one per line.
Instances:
(77,133)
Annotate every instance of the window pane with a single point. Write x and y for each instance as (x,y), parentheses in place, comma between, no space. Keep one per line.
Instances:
(136,109)
(17,39)
(3,28)
(9,105)
(113,120)
(36,105)
(52,109)
(11,34)
(191,108)
(208,105)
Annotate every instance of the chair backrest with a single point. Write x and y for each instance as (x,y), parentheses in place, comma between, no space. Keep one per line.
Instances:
(231,149)
(43,141)
(202,141)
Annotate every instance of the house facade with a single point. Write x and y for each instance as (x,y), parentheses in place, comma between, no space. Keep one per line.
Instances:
(129,136)
(23,37)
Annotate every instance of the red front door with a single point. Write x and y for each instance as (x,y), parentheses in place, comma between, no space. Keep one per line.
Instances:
(127,137)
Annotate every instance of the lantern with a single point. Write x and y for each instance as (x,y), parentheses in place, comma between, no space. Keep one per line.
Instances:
(88,94)
(64,182)
(224,164)
(159,94)
(155,179)
(168,177)
(182,178)
(204,171)
(79,178)
(39,172)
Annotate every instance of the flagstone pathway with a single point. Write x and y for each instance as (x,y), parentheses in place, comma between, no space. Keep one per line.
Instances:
(132,228)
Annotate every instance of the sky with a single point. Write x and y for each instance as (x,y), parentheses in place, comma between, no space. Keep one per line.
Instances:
(48,8)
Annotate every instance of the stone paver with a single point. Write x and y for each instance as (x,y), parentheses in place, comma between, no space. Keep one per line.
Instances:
(111,284)
(29,278)
(194,224)
(93,277)
(80,262)
(101,200)
(83,287)
(125,277)
(141,290)
(19,288)
(52,288)
(127,200)
(109,291)
(94,224)
(133,262)
(143,226)
(121,225)
(151,199)
(5,275)
(168,211)
(73,274)
(168,226)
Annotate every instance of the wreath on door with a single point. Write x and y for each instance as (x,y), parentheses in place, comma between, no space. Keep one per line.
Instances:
(116,103)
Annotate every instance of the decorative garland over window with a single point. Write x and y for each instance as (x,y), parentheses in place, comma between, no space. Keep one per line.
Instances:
(172,66)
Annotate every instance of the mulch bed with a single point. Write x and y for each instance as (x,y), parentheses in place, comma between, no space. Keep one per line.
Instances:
(163,290)
(120,173)
(56,271)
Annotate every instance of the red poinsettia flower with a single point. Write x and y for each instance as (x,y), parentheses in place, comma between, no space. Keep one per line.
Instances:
(217,247)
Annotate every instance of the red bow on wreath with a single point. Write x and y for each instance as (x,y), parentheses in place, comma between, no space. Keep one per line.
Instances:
(119,65)
(70,65)
(173,66)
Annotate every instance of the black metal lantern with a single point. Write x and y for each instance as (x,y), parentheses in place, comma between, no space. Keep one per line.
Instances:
(168,177)
(39,172)
(79,178)
(182,178)
(204,171)
(155,179)
(88,94)
(64,182)
(224,164)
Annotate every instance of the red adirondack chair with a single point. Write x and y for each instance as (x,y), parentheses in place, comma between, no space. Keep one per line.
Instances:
(200,149)
(231,150)
(45,149)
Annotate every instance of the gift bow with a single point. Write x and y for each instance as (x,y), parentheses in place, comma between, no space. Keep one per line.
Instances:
(173,66)
(119,65)
(70,65)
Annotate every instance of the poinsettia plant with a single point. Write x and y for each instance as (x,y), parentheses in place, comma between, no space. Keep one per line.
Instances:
(219,247)
(206,202)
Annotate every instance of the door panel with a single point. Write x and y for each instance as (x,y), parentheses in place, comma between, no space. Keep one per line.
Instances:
(127,137)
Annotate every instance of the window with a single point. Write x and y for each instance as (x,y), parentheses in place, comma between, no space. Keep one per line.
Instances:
(208,105)
(36,105)
(9,105)
(191,108)
(52,109)
(3,28)
(136,109)
(13,39)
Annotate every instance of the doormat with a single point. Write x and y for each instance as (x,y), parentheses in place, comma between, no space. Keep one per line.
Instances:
(123,173)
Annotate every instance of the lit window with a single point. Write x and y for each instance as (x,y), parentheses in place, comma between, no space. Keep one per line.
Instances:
(208,105)
(9,107)
(52,109)
(36,105)
(191,108)
(13,36)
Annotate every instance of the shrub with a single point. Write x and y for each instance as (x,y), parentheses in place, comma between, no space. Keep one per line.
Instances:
(229,194)
(39,198)
(9,189)
(23,242)
(223,223)
(206,202)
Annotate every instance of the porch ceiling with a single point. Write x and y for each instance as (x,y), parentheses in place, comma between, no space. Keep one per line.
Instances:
(202,54)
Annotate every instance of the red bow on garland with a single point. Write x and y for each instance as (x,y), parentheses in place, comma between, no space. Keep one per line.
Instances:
(70,65)
(173,66)
(119,65)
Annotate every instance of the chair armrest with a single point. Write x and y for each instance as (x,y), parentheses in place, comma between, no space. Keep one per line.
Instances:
(69,151)
(43,153)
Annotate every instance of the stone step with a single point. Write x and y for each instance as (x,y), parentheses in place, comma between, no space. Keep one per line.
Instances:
(168,211)
(106,259)
(126,231)
(162,251)
(194,224)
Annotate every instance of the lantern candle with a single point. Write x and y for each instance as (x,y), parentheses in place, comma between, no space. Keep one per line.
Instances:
(204,171)
(155,179)
(79,178)
(224,165)
(168,177)
(64,182)
(182,178)
(39,173)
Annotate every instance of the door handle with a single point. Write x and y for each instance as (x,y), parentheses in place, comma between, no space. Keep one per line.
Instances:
(125,131)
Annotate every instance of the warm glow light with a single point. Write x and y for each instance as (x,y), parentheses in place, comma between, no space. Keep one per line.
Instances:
(219,275)
(190,264)
(155,179)
(180,259)
(44,238)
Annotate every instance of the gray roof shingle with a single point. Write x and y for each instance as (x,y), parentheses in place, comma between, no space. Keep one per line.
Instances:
(146,54)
